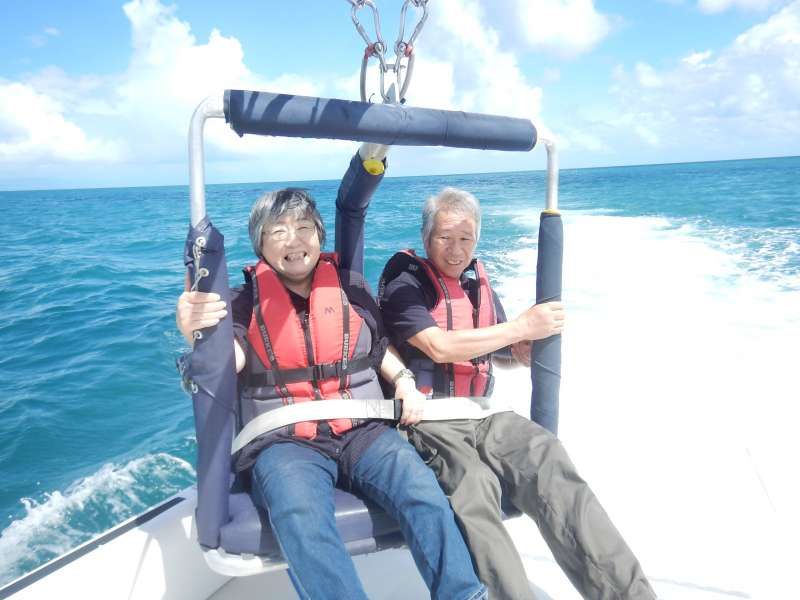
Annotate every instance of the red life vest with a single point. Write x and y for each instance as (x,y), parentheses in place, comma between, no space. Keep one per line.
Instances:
(301,360)
(453,310)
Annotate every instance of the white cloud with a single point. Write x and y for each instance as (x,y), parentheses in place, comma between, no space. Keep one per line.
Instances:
(85,94)
(718,6)
(567,28)
(466,69)
(39,40)
(743,100)
(647,134)
(646,75)
(33,128)
(696,59)
(146,109)
(141,115)
(582,139)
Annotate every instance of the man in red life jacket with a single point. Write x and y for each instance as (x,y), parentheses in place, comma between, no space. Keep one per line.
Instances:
(446,321)
(307,330)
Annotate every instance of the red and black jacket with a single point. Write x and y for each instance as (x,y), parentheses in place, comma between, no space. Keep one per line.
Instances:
(331,352)
(453,309)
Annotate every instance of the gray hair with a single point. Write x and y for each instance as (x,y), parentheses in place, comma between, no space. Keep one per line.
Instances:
(450,199)
(273,205)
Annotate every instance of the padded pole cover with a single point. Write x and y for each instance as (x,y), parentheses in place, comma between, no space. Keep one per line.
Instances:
(546,354)
(212,370)
(264,113)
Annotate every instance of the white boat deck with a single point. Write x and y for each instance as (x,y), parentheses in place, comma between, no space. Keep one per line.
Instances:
(695,510)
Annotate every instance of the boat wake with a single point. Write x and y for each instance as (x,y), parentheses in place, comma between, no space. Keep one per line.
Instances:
(61,520)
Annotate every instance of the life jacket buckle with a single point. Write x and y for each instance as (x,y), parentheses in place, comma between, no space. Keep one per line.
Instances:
(317,373)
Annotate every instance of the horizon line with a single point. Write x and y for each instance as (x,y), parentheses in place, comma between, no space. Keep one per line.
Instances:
(626,166)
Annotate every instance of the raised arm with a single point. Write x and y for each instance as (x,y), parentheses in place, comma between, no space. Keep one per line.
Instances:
(355,192)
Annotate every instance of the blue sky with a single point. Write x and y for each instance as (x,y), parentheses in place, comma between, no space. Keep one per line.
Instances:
(99,93)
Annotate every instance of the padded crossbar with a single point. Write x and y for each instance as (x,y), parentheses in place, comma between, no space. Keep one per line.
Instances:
(265,113)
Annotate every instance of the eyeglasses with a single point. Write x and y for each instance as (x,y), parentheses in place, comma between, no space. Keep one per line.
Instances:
(280,233)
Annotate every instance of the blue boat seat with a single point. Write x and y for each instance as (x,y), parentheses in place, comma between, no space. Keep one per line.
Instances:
(364,528)
(361,524)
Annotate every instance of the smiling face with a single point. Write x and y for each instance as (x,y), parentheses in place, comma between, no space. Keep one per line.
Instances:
(452,242)
(291,246)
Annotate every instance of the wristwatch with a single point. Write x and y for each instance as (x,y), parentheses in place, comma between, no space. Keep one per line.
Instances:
(403,373)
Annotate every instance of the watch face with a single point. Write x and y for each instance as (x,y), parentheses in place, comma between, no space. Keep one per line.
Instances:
(403,373)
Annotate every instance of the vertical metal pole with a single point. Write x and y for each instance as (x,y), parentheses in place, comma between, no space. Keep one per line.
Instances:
(212,365)
(552,176)
(211,107)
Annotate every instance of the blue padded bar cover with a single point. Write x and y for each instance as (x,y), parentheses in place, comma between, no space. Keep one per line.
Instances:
(264,113)
(352,202)
(546,354)
(213,369)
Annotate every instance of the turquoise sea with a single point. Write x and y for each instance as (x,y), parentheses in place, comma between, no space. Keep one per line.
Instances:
(94,427)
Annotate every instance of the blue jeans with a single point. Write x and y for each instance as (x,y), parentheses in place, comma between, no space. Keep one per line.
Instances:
(295,484)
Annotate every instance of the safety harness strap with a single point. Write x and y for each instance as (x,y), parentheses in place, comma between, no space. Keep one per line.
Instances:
(313,373)
(436,409)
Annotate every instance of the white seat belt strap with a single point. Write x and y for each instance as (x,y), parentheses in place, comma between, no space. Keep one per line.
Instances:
(437,409)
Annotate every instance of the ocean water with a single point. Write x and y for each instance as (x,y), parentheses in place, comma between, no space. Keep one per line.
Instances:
(682,285)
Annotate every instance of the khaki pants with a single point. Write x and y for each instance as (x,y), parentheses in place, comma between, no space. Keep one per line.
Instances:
(472,459)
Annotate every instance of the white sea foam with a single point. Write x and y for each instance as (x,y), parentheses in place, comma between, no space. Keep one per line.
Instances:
(679,396)
(62,520)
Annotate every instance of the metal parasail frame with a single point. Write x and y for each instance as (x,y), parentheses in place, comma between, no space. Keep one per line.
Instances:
(213,107)
(264,113)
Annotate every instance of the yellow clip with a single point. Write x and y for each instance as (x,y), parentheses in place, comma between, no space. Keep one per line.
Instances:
(373,166)
(550,211)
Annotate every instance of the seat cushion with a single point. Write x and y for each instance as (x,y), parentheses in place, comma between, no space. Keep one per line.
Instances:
(249,531)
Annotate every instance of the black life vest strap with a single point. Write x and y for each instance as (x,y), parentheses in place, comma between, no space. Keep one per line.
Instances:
(449,368)
(316,372)
(345,336)
(476,311)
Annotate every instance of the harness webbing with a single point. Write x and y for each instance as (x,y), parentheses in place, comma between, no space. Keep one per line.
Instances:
(345,364)
(436,409)
(316,372)
(262,328)
(451,375)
